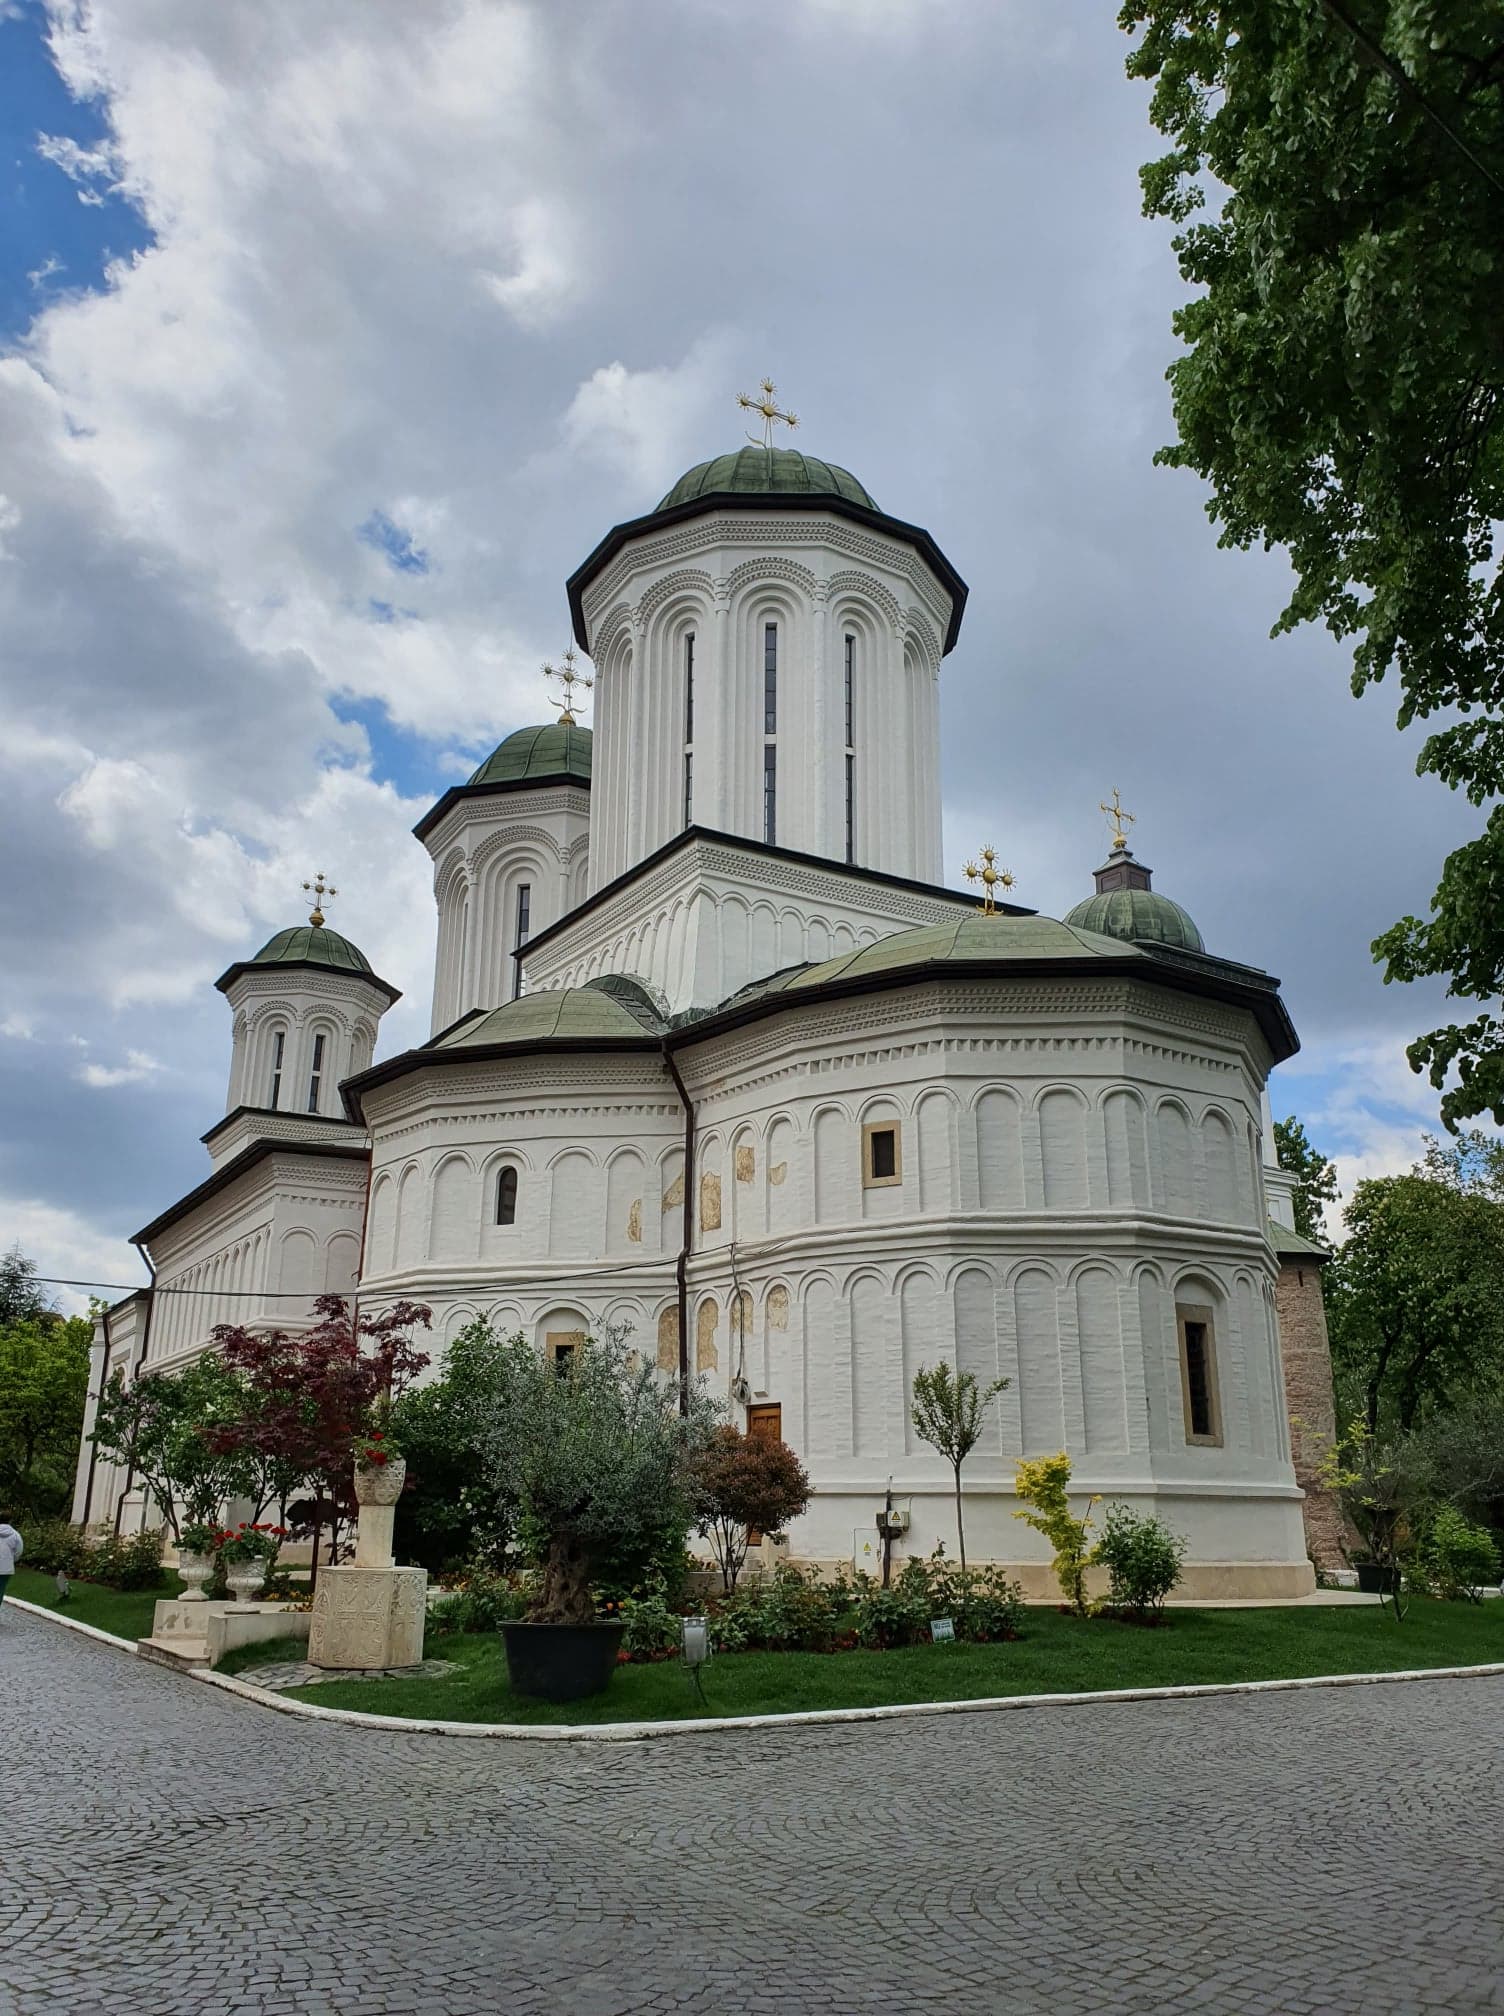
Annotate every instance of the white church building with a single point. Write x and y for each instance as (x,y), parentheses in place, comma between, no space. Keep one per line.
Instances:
(716,1054)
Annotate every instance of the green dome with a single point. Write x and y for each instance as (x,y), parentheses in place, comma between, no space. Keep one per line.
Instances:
(312,945)
(554,751)
(581,1014)
(971,940)
(1137,914)
(767,472)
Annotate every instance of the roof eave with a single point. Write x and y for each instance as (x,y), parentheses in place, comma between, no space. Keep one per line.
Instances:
(1266,1007)
(742,500)
(231,974)
(458,792)
(238,1166)
(406,1062)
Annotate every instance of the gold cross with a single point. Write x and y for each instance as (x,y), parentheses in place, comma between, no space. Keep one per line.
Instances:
(991,877)
(568,678)
(770,410)
(318,889)
(1119,821)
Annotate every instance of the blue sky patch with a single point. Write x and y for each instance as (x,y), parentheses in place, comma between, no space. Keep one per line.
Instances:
(62,229)
(412,764)
(383,535)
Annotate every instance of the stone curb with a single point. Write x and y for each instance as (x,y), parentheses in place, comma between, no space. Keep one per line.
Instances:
(709,1725)
(642,1732)
(69,1623)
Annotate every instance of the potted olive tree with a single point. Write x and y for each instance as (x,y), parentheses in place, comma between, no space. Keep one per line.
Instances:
(593,1453)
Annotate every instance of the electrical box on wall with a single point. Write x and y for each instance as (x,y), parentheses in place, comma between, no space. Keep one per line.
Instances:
(893,1519)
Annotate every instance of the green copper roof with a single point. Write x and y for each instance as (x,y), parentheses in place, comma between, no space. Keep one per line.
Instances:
(1284,1239)
(1137,914)
(767,472)
(579,1014)
(971,939)
(554,751)
(312,945)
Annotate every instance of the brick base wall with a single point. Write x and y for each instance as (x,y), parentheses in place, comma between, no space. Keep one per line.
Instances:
(1307,1356)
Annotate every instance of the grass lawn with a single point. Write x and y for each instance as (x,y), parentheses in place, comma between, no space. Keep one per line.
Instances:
(1056,1655)
(126,1612)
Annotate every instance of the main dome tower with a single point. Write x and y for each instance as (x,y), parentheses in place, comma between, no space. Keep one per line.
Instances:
(767,643)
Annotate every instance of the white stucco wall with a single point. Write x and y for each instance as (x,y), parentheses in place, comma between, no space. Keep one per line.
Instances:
(484,849)
(721,578)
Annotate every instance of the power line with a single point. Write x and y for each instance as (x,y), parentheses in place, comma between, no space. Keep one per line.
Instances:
(1398,75)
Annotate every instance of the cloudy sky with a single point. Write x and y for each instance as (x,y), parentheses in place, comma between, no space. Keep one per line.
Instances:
(332,338)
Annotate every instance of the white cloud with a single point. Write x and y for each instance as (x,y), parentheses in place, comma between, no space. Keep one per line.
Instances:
(66,1247)
(137,1066)
(645,423)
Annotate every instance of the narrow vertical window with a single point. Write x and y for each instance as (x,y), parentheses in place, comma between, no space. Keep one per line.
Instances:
(316,1075)
(770,729)
(506,1196)
(689,728)
(279,1044)
(850,750)
(1198,1375)
(524,932)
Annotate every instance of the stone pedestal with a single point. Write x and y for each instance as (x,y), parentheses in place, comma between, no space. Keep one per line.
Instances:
(373,1536)
(200,1634)
(368,1616)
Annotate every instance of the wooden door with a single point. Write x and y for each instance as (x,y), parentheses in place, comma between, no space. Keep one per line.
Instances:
(764,1420)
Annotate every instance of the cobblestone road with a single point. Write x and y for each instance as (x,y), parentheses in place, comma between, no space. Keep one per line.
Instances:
(167,1848)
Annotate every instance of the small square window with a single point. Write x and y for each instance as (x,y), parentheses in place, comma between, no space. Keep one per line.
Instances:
(1198,1376)
(882,1162)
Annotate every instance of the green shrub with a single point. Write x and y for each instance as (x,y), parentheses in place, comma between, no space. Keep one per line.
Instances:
(126,1561)
(52,1545)
(791,1611)
(483,1602)
(1142,1558)
(899,1614)
(653,1627)
(982,1603)
(1459,1559)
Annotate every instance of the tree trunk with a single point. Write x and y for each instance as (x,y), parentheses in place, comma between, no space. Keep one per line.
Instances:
(565,1596)
(960,1529)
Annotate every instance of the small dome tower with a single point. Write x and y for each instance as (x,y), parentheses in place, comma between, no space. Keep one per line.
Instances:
(306,1010)
(1125,905)
(509,852)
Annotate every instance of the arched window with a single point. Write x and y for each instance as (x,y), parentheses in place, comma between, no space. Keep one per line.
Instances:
(506,1196)
(279,1045)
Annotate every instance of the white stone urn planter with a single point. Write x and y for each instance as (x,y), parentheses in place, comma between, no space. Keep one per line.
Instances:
(245,1578)
(380,1483)
(194,1570)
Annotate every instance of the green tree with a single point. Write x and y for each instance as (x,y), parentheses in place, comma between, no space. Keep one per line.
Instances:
(447,1515)
(44,1379)
(1342,382)
(948,1410)
(1315,1174)
(1415,1298)
(20,1293)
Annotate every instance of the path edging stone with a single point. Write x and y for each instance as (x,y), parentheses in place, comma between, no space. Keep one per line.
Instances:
(706,1725)
(643,1732)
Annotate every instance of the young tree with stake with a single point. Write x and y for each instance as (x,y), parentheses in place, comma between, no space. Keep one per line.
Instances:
(947,1411)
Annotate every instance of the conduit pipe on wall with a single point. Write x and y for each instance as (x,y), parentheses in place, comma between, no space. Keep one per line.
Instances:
(151,1303)
(687,1232)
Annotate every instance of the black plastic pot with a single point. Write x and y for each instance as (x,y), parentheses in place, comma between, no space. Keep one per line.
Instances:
(1375,1579)
(561,1662)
